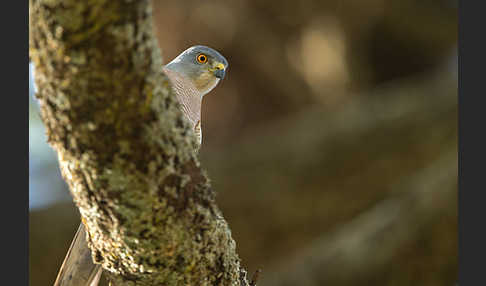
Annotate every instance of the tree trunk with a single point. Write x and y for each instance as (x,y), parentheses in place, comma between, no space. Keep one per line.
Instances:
(125,149)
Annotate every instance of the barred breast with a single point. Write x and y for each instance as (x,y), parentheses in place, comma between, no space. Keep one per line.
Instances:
(189,98)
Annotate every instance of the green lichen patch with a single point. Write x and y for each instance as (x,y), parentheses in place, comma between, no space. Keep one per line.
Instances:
(125,149)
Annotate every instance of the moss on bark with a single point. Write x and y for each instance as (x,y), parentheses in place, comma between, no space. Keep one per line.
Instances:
(124,147)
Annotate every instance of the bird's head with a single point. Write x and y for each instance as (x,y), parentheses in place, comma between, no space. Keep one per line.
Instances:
(202,65)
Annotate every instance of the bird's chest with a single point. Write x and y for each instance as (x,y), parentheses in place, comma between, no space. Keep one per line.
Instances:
(190,102)
(188,96)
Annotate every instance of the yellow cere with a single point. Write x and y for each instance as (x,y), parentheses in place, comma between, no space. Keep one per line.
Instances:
(220,66)
(217,66)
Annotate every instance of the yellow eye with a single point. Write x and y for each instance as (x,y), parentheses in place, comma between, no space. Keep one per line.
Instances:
(202,58)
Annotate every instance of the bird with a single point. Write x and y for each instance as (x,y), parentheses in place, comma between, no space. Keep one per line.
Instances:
(192,74)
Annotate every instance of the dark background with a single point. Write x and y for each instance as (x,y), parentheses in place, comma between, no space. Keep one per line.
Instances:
(331,143)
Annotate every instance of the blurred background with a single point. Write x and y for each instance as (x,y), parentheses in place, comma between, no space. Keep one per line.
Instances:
(332,142)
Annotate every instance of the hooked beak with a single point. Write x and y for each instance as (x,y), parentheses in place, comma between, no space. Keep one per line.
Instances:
(218,71)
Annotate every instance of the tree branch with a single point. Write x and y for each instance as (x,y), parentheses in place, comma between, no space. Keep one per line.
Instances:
(124,147)
(357,249)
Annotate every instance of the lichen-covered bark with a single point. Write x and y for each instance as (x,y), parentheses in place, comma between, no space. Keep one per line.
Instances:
(124,147)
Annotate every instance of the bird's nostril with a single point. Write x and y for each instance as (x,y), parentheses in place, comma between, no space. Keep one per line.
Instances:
(219,66)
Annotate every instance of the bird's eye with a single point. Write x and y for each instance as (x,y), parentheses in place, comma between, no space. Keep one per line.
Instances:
(202,58)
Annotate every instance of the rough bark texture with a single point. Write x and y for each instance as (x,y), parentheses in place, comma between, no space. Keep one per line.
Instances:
(124,147)
(314,191)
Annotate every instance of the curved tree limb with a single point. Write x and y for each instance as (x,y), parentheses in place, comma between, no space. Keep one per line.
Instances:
(124,147)
(355,250)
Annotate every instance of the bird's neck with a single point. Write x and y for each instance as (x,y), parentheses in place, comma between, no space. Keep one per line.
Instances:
(187,94)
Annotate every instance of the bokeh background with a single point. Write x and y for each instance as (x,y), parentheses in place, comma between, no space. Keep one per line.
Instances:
(332,143)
